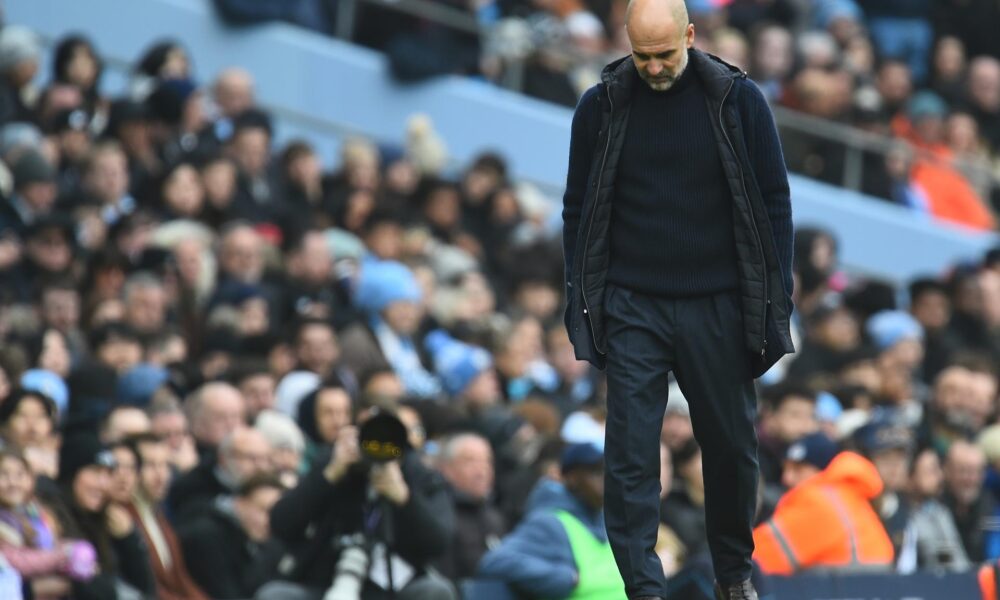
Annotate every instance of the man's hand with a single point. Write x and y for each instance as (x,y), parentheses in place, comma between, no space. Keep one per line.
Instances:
(388,481)
(346,452)
(119,521)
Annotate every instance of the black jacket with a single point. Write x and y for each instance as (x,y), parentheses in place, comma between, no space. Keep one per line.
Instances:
(195,491)
(311,518)
(222,560)
(478,528)
(761,209)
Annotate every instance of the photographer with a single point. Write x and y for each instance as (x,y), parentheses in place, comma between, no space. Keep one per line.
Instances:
(341,516)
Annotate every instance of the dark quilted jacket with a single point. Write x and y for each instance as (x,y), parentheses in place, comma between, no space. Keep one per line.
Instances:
(762,218)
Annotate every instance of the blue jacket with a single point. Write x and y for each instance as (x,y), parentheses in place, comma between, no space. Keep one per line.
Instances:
(536,558)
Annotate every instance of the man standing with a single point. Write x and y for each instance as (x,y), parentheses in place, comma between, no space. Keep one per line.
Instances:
(678,245)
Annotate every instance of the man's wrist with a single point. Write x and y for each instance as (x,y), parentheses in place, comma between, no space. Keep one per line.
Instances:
(334,472)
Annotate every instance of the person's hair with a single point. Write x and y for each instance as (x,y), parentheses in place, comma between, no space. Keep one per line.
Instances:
(247,369)
(259,481)
(113,331)
(97,151)
(923,285)
(140,280)
(252,118)
(56,284)
(163,405)
(135,441)
(449,448)
(776,395)
(19,395)
(305,322)
(976,362)
(370,375)
(295,150)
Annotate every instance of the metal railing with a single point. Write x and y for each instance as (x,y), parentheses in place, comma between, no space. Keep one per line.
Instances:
(431,10)
(857,142)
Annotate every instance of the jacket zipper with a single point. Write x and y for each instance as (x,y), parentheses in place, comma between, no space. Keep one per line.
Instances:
(753,219)
(590,224)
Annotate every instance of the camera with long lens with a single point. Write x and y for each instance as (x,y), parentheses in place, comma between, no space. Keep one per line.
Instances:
(383,439)
(351,570)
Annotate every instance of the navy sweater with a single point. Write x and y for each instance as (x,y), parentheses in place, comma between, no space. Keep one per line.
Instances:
(672,213)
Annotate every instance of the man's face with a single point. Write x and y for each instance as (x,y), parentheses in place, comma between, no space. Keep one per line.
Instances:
(893,467)
(250,150)
(154,475)
(146,308)
(317,348)
(249,455)
(61,308)
(254,512)
(932,309)
(661,54)
(120,354)
(333,412)
(224,411)
(258,390)
(108,178)
(795,418)
(171,427)
(50,250)
(470,470)
(40,196)
(587,484)
(795,472)
(123,476)
(964,470)
(240,257)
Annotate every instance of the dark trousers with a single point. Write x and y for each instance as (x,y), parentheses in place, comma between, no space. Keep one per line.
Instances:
(700,340)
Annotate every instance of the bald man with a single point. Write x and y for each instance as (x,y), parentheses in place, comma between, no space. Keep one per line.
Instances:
(678,248)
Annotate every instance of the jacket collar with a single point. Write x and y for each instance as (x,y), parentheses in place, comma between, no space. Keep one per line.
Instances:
(715,74)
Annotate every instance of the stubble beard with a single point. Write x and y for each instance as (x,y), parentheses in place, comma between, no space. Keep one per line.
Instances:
(666,84)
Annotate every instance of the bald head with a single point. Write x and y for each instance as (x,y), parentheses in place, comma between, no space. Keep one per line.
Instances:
(660,34)
(234,91)
(653,14)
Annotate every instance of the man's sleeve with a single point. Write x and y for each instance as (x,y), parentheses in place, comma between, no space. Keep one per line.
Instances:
(768,163)
(583,136)
(535,559)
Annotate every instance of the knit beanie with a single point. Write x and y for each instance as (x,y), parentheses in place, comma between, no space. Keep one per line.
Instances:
(383,283)
(456,363)
(79,452)
(889,327)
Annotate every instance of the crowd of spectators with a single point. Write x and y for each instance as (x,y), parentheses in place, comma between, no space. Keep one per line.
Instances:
(924,75)
(194,324)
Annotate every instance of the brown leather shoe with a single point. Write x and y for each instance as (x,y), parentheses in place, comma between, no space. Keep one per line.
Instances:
(736,591)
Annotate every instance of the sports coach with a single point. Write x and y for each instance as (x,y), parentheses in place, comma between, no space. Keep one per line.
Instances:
(678,248)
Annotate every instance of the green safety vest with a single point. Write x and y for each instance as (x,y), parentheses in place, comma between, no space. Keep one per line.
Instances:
(599,576)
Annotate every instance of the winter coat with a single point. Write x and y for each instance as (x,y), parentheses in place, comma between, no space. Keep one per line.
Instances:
(536,559)
(224,561)
(748,146)
(827,522)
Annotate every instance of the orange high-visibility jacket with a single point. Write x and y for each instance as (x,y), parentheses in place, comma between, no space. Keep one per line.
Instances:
(988,581)
(827,521)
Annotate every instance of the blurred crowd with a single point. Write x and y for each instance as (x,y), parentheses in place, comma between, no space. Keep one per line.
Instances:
(195,323)
(922,76)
